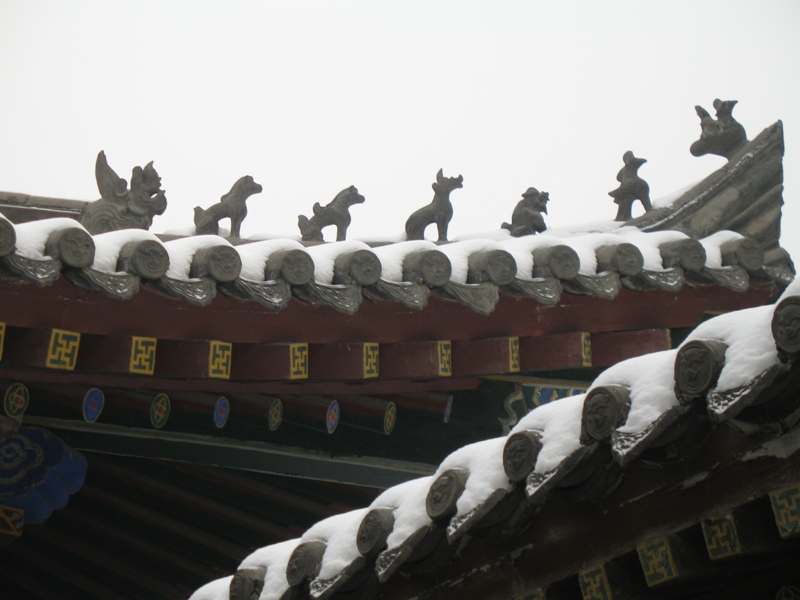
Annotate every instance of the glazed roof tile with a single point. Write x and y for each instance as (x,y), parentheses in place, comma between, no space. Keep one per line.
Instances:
(560,426)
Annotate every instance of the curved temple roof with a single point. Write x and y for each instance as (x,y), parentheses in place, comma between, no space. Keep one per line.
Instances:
(733,369)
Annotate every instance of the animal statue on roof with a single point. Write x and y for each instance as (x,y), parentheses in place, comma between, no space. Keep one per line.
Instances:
(631,187)
(722,136)
(439,211)
(231,206)
(120,207)
(336,212)
(527,217)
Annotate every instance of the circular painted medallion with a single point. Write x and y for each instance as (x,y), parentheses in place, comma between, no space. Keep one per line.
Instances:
(93,403)
(448,409)
(16,400)
(332,420)
(221,411)
(275,414)
(389,418)
(159,411)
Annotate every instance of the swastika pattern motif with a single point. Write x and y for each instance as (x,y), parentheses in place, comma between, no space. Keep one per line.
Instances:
(721,537)
(445,358)
(298,355)
(219,360)
(586,349)
(513,354)
(786,507)
(657,563)
(143,355)
(594,584)
(370,360)
(62,353)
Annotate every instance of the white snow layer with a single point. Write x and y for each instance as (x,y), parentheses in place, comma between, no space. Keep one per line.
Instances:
(751,347)
(254,256)
(651,381)
(214,590)
(408,501)
(339,534)
(32,236)
(459,253)
(182,251)
(713,246)
(559,424)
(324,255)
(274,558)
(393,255)
(484,461)
(108,245)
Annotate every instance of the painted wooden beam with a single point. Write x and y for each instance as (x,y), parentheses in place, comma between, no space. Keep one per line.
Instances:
(611,347)
(43,347)
(270,362)
(338,361)
(118,354)
(557,351)
(416,360)
(488,356)
(191,359)
(63,305)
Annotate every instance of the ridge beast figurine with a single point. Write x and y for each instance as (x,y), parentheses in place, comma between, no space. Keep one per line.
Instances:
(722,136)
(336,212)
(231,206)
(120,207)
(439,211)
(631,187)
(527,216)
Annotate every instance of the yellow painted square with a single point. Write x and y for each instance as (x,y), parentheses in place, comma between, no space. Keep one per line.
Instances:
(143,355)
(370,360)
(298,357)
(586,349)
(786,508)
(722,539)
(219,360)
(445,358)
(62,353)
(657,563)
(594,584)
(513,355)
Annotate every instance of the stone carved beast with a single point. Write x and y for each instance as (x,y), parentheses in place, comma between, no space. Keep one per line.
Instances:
(336,212)
(120,207)
(231,206)
(527,216)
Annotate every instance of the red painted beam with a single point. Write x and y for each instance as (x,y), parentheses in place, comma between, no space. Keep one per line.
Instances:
(65,306)
(270,362)
(558,351)
(484,357)
(190,359)
(342,361)
(416,360)
(615,346)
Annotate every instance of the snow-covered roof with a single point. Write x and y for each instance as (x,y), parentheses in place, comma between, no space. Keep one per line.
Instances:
(645,388)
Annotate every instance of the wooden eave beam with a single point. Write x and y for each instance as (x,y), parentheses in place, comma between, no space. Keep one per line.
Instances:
(236,454)
(647,504)
(609,348)
(65,306)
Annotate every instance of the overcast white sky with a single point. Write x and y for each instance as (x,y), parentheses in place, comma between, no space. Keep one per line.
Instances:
(310,97)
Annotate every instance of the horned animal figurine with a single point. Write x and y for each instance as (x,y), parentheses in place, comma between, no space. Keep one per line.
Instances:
(231,206)
(527,216)
(336,212)
(439,211)
(120,207)
(722,136)
(631,187)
